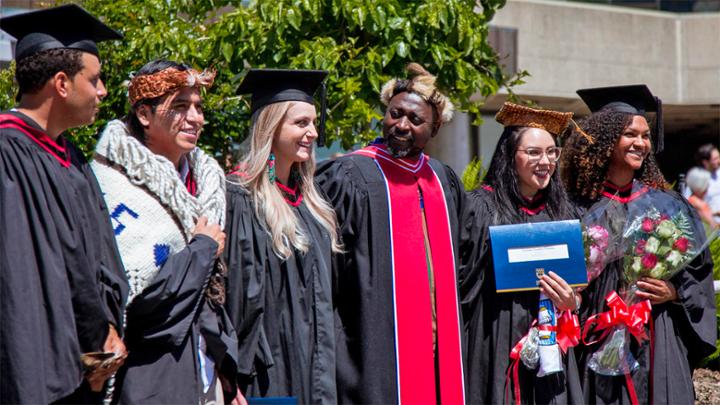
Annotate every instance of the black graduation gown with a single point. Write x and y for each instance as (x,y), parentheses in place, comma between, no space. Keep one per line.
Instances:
(495,322)
(60,278)
(684,332)
(282,309)
(363,284)
(164,323)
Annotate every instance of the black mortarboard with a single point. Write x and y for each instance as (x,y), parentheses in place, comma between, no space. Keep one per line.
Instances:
(634,99)
(64,27)
(269,86)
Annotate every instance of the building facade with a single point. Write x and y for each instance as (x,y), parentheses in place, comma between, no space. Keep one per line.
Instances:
(569,45)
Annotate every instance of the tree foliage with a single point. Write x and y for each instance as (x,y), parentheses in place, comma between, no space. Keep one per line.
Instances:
(362,43)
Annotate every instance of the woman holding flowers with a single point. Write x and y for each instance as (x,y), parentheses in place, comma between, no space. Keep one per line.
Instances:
(522,185)
(662,274)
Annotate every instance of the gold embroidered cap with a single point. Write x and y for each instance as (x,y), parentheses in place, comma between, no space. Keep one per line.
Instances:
(514,115)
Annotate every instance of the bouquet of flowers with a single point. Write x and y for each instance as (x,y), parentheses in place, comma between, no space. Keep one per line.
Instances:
(657,242)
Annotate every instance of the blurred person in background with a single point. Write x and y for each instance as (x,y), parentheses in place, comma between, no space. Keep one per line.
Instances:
(698,181)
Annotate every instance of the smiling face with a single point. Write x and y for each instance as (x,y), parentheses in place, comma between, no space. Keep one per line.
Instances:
(633,146)
(535,160)
(293,141)
(408,125)
(173,129)
(86,91)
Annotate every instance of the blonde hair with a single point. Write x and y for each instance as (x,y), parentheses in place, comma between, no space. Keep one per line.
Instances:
(278,218)
(422,83)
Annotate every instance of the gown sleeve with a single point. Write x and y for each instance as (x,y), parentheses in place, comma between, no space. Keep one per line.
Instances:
(337,179)
(165,309)
(246,281)
(50,307)
(27,207)
(474,250)
(696,295)
(457,191)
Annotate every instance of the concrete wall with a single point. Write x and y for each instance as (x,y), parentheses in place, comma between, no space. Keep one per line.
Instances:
(566,46)
(700,59)
(452,144)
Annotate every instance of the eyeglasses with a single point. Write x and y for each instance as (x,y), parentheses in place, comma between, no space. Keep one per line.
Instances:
(536,154)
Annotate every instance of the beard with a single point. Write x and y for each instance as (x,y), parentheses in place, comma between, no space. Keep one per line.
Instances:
(399,145)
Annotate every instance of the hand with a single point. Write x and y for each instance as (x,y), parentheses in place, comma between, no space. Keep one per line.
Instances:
(657,291)
(213,231)
(96,378)
(559,292)
(114,344)
(239,399)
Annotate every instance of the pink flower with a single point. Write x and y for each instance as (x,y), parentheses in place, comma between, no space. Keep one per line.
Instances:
(649,261)
(599,236)
(640,247)
(682,244)
(664,217)
(648,225)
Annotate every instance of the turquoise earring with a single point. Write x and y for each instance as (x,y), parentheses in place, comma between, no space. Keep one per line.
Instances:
(271,168)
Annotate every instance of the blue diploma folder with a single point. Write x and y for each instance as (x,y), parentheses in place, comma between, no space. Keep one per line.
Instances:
(524,252)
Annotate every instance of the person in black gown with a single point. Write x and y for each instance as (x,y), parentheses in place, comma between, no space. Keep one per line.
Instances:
(61,282)
(281,235)
(166,199)
(613,160)
(396,285)
(521,185)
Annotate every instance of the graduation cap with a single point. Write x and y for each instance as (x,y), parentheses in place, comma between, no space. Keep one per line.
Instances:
(64,27)
(269,86)
(634,99)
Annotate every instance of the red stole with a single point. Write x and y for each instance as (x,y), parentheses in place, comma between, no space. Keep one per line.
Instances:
(411,288)
(190,183)
(57,150)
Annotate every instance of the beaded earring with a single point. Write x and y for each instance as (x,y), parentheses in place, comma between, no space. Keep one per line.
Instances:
(271,168)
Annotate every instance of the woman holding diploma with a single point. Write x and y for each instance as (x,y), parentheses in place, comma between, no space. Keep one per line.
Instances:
(612,163)
(504,330)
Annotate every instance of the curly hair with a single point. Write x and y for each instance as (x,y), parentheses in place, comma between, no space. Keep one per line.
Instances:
(585,160)
(34,71)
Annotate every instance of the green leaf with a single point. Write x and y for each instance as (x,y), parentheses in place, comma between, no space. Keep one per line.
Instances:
(227,51)
(359,16)
(401,49)
(293,18)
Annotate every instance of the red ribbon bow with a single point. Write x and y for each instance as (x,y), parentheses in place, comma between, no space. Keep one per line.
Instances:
(568,330)
(633,317)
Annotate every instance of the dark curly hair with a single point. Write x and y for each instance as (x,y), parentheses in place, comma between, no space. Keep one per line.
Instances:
(503,178)
(131,120)
(586,157)
(34,71)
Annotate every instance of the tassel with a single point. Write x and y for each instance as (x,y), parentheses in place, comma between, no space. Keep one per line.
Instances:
(583,133)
